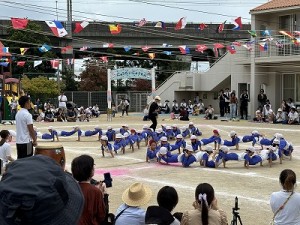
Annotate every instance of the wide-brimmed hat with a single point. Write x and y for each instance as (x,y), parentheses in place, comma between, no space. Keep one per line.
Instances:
(50,197)
(157,98)
(137,194)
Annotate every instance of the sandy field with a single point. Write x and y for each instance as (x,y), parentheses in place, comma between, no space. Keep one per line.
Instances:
(252,186)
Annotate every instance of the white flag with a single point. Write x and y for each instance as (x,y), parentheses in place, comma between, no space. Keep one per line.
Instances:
(36,63)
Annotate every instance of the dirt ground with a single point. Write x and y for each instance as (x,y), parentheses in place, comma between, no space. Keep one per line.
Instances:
(252,187)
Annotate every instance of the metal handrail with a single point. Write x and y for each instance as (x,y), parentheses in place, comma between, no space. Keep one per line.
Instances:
(170,78)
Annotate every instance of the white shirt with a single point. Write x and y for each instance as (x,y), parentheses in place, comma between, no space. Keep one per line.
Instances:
(23,118)
(4,152)
(290,214)
(62,101)
(294,116)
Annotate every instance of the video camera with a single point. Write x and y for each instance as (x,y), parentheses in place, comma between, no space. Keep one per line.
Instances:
(107,180)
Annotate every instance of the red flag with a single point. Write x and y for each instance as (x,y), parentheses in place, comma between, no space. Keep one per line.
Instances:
(54,64)
(218,45)
(236,43)
(202,26)
(231,49)
(80,26)
(104,59)
(19,23)
(201,48)
(67,50)
(181,24)
(221,27)
(21,63)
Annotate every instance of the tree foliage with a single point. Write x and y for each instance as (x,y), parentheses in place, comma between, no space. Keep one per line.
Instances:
(69,82)
(40,87)
(94,77)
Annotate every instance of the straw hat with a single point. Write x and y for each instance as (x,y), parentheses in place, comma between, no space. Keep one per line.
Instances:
(157,98)
(137,194)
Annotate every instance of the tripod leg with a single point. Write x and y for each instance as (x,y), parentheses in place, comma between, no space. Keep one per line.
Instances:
(240,220)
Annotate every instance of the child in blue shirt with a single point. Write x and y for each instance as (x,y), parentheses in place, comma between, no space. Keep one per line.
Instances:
(110,133)
(179,143)
(106,146)
(152,151)
(196,144)
(194,130)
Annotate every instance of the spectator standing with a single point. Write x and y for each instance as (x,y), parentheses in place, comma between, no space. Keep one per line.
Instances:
(244,99)
(227,101)
(62,101)
(262,99)
(146,113)
(232,105)
(123,106)
(133,197)
(285,204)
(94,211)
(13,108)
(153,112)
(222,98)
(206,208)
(127,103)
(26,138)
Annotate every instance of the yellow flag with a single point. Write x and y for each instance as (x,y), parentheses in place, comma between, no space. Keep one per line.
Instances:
(151,55)
(23,50)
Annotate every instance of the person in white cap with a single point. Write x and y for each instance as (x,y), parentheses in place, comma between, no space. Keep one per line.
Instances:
(145,133)
(164,143)
(165,155)
(175,130)
(254,137)
(293,116)
(211,158)
(285,148)
(267,142)
(119,144)
(215,138)
(89,133)
(124,129)
(252,159)
(153,112)
(194,130)
(131,213)
(280,117)
(185,132)
(226,155)
(110,133)
(195,143)
(106,146)
(179,143)
(158,134)
(133,136)
(169,133)
(187,157)
(233,142)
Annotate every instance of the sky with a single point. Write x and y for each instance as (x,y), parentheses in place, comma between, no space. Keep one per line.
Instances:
(196,11)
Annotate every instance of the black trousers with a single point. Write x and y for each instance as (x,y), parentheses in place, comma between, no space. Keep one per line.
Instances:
(24,150)
(222,108)
(154,122)
(244,111)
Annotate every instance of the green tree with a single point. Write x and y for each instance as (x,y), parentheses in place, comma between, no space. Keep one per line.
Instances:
(69,82)
(31,38)
(40,87)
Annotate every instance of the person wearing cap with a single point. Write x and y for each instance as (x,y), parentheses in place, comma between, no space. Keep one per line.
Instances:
(144,134)
(285,148)
(195,143)
(233,142)
(130,212)
(165,155)
(187,157)
(179,143)
(134,139)
(254,137)
(194,130)
(89,133)
(175,130)
(275,152)
(252,159)
(110,133)
(36,190)
(293,116)
(153,112)
(280,117)
(68,133)
(225,155)
(164,143)
(94,210)
(48,136)
(211,158)
(158,134)
(26,138)
(119,143)
(169,133)
(185,132)
(215,138)
(124,129)
(267,142)
(106,146)
(152,150)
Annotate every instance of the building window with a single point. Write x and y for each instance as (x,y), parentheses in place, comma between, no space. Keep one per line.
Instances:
(291,86)
(285,22)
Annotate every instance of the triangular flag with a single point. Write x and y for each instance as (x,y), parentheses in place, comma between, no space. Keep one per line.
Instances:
(151,55)
(218,45)
(108,45)
(19,23)
(80,26)
(57,28)
(37,62)
(263,46)
(236,43)
(127,48)
(5,64)
(183,49)
(202,26)
(181,24)
(44,48)
(115,29)
(145,48)
(23,50)
(104,59)
(160,24)
(220,28)
(201,48)
(248,46)
(142,22)
(4,49)
(67,50)
(238,23)
(231,49)
(54,63)
(167,52)
(70,61)
(252,33)
(21,63)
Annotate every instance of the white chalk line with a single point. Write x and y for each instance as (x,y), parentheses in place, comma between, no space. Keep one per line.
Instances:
(192,189)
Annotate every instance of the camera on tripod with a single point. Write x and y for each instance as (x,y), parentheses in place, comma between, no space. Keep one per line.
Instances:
(235,213)
(107,180)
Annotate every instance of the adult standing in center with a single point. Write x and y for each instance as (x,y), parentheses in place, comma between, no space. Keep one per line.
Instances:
(62,102)
(153,112)
(25,138)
